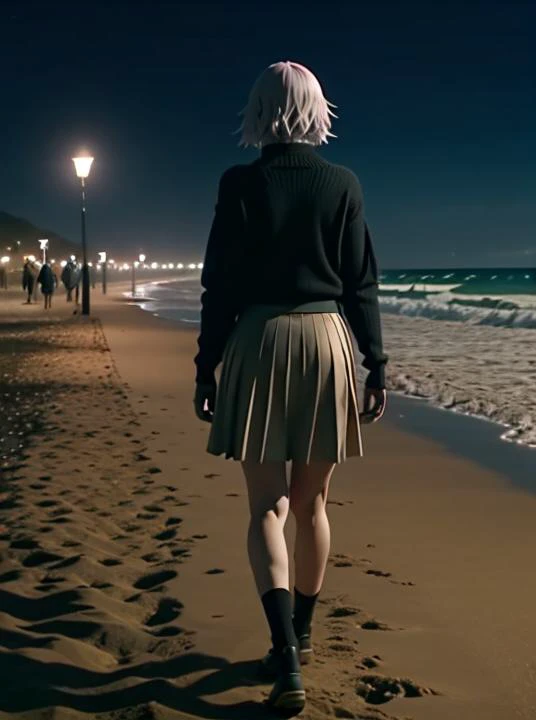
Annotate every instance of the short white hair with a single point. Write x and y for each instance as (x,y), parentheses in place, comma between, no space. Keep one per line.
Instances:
(286,104)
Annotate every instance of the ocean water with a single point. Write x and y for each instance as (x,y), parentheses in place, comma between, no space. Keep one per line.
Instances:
(493,296)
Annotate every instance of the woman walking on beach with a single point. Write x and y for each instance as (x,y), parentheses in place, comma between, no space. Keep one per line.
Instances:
(288,250)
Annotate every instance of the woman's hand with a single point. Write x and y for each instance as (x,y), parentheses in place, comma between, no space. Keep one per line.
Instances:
(204,401)
(374,401)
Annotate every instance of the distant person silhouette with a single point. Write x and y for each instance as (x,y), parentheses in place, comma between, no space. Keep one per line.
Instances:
(28,280)
(70,278)
(48,280)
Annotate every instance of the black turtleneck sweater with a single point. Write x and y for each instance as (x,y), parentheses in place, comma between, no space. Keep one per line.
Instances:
(289,228)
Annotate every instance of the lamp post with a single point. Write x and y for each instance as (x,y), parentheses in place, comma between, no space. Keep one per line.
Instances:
(3,272)
(43,246)
(134,266)
(102,261)
(82,166)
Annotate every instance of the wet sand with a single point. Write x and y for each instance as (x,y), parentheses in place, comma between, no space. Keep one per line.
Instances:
(124,585)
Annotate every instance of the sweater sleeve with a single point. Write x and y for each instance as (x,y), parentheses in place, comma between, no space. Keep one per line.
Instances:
(359,274)
(219,300)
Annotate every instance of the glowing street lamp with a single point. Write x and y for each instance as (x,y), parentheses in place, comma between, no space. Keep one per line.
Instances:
(102,261)
(83,166)
(135,265)
(3,271)
(43,246)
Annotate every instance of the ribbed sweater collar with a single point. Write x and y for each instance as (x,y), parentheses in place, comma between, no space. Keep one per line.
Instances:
(284,149)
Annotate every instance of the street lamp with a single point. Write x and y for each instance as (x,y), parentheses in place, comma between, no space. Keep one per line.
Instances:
(43,245)
(102,261)
(3,271)
(83,166)
(135,264)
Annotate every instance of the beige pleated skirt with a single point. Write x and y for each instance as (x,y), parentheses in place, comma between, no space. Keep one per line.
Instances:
(287,389)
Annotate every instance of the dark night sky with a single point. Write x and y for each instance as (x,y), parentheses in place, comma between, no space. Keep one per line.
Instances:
(437,110)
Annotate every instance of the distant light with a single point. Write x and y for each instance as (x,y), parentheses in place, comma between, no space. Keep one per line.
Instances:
(102,257)
(31,258)
(113,262)
(170,266)
(126,266)
(164,267)
(136,263)
(199,266)
(4,259)
(53,261)
(154,265)
(192,266)
(90,264)
(82,166)
(180,266)
(63,263)
(142,258)
(72,258)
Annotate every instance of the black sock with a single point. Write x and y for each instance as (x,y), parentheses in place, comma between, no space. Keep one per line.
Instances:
(277,605)
(304,606)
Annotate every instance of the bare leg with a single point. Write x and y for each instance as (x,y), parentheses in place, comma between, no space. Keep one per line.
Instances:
(309,486)
(268,505)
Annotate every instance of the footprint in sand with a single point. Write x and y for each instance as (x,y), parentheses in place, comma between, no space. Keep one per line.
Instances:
(377,690)
(211,475)
(110,562)
(168,610)
(232,495)
(379,573)
(165,535)
(40,557)
(147,582)
(10,576)
(67,562)
(373,625)
(146,516)
(47,503)
(173,521)
(341,561)
(153,508)
(371,662)
(24,544)
(181,552)
(200,537)
(345,611)
(214,571)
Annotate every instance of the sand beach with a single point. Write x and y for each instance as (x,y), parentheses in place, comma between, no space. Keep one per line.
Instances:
(125,591)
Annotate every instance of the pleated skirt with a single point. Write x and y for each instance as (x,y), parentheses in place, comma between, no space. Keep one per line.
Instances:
(287,390)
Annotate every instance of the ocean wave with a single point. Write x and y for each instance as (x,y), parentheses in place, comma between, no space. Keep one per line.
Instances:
(520,425)
(498,312)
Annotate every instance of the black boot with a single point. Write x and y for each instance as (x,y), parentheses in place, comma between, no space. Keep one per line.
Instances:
(288,695)
(271,661)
